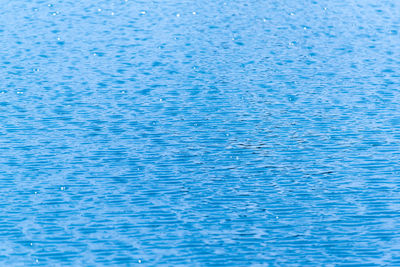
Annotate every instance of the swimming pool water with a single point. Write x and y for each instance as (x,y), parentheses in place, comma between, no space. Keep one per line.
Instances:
(200,133)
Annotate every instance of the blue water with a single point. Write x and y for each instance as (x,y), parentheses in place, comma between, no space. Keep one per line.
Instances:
(200,133)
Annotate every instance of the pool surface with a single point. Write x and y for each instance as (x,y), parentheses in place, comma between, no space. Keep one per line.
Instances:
(200,133)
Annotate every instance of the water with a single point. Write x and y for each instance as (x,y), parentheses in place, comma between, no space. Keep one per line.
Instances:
(199,133)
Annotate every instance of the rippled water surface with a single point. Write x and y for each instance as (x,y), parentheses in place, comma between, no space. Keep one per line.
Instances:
(200,133)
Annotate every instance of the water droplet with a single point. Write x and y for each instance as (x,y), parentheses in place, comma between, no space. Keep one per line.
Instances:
(194,13)
(178,15)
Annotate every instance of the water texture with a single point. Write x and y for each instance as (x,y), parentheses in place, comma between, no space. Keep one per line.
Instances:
(200,133)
